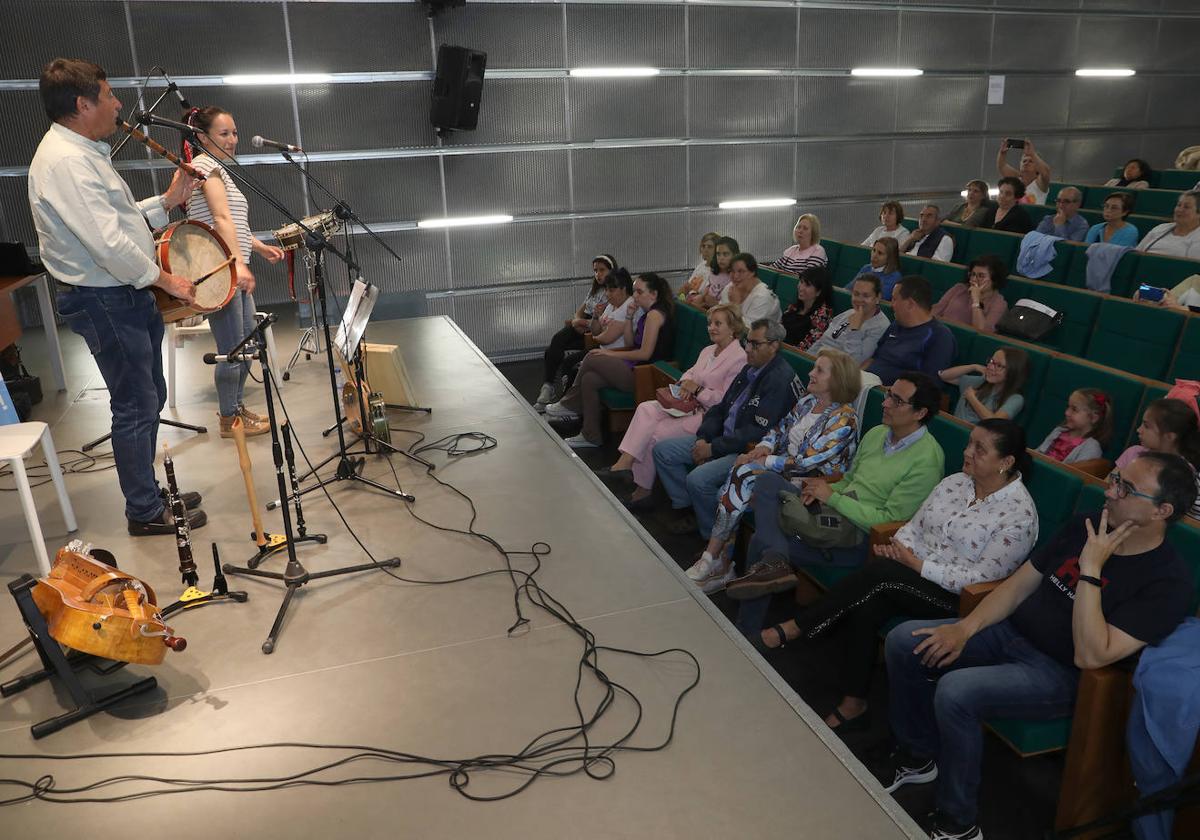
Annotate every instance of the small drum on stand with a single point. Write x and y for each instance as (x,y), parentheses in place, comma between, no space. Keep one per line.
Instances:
(193,250)
(291,237)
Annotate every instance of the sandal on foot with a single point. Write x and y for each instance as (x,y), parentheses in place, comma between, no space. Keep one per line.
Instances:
(859,723)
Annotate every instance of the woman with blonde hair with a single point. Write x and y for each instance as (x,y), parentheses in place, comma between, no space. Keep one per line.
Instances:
(807,252)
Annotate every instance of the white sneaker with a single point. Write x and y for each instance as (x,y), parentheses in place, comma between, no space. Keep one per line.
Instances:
(703,567)
(718,580)
(580,442)
(561,412)
(546,395)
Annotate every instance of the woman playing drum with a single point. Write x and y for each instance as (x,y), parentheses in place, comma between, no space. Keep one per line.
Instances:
(222,205)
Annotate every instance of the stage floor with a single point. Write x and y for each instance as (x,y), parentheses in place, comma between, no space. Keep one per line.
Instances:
(423,669)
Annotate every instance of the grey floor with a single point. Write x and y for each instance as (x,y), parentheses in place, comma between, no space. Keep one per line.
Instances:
(423,669)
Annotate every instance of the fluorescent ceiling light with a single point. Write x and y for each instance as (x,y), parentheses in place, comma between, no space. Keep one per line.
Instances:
(613,72)
(992,191)
(745,204)
(1105,72)
(465,221)
(886,71)
(278,79)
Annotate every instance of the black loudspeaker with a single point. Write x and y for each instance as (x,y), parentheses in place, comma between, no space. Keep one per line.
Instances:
(457,88)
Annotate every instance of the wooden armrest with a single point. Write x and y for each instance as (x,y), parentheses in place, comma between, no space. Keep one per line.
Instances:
(646,380)
(590,343)
(1098,467)
(973,594)
(882,533)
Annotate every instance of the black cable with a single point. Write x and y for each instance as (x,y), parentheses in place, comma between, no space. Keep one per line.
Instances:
(84,464)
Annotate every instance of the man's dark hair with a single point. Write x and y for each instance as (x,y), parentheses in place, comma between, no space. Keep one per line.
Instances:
(65,79)
(927,396)
(871,278)
(916,288)
(746,260)
(1176,482)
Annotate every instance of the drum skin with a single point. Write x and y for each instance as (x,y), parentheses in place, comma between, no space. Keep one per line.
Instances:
(191,249)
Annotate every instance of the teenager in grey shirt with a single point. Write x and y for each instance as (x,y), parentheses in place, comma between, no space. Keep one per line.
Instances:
(857,330)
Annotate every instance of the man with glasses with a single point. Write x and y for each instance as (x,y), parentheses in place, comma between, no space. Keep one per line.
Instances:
(1066,223)
(761,395)
(897,465)
(917,340)
(1106,586)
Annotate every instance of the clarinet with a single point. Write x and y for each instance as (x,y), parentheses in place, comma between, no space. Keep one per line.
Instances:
(183,529)
(290,457)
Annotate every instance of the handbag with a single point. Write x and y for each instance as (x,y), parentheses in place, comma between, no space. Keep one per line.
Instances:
(683,405)
(823,527)
(1029,320)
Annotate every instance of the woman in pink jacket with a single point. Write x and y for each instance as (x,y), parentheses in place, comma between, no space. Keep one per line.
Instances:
(719,363)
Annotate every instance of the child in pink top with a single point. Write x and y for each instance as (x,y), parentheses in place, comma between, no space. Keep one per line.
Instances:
(1087,425)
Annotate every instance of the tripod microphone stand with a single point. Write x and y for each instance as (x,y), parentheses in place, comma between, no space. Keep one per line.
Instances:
(294,575)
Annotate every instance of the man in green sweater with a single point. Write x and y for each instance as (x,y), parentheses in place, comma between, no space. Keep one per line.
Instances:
(897,465)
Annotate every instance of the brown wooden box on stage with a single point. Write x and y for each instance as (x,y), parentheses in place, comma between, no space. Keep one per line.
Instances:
(386,373)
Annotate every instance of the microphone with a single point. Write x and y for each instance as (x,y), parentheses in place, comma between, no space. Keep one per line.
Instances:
(146,118)
(174,88)
(258,142)
(244,356)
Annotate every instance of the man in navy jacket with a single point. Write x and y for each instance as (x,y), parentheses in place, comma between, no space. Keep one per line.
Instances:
(761,395)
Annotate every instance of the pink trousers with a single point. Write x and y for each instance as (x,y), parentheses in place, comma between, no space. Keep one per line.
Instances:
(650,425)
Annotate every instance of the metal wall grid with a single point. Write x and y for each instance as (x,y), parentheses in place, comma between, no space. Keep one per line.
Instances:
(545,147)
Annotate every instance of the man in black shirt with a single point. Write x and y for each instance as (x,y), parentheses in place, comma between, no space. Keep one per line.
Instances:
(1101,590)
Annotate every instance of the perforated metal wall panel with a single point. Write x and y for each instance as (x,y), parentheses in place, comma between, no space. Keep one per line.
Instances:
(512,35)
(944,41)
(250,37)
(265,110)
(25,123)
(1019,45)
(1108,103)
(516,253)
(754,107)
(828,37)
(601,36)
(383,190)
(1166,93)
(37,31)
(516,111)
(617,108)
(376,115)
(1032,103)
(1092,159)
(765,233)
(640,243)
(936,164)
(849,222)
(838,169)
(283,182)
(724,36)
(729,172)
(423,261)
(840,105)
(942,104)
(1161,149)
(519,319)
(607,178)
(1175,48)
(1116,41)
(513,182)
(14,195)
(347,37)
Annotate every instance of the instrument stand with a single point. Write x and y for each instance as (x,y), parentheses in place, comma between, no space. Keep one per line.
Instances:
(310,339)
(200,430)
(193,597)
(274,543)
(368,436)
(295,575)
(56,663)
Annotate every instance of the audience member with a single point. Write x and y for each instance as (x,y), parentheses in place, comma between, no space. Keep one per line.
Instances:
(976,299)
(1180,238)
(973,211)
(929,239)
(817,437)
(991,391)
(885,263)
(719,277)
(1019,652)
(705,383)
(891,214)
(1169,426)
(754,297)
(692,468)
(1115,229)
(693,290)
(1066,223)
(917,340)
(1087,425)
(806,320)
(1034,173)
(807,252)
(648,341)
(570,337)
(857,331)
(977,525)
(896,467)
(1008,215)
(1135,176)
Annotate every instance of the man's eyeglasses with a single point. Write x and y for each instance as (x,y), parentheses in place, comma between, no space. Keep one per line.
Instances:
(896,399)
(754,345)
(1125,489)
(1067,200)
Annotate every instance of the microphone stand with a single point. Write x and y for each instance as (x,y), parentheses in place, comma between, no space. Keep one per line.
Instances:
(295,575)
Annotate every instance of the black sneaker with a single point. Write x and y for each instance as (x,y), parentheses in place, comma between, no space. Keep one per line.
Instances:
(165,524)
(191,499)
(945,828)
(909,772)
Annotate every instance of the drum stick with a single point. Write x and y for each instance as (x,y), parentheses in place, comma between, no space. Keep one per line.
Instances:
(239,437)
(214,271)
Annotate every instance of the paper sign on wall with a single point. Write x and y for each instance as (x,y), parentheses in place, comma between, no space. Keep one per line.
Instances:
(995,90)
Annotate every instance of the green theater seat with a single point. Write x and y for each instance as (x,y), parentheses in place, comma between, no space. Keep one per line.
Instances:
(1079,308)
(1162,271)
(786,290)
(833,250)
(615,399)
(873,410)
(1064,375)
(1187,359)
(1055,489)
(1135,337)
(952,434)
(841,300)
(850,259)
(801,363)
(996,242)
(1066,254)
(1037,212)
(941,276)
(1122,276)
(1176,179)
(964,338)
(770,276)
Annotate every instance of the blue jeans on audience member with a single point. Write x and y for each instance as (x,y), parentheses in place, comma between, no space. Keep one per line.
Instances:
(230,325)
(124,332)
(769,536)
(938,713)
(697,489)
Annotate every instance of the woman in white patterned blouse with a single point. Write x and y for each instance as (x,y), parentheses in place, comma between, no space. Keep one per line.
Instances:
(977,525)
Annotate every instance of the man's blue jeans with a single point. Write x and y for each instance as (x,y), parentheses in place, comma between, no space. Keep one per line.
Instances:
(124,332)
(938,713)
(697,489)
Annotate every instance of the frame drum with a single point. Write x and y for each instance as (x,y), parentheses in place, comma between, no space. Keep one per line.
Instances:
(192,249)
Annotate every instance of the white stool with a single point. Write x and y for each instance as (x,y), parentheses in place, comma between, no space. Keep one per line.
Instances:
(16,441)
(177,334)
